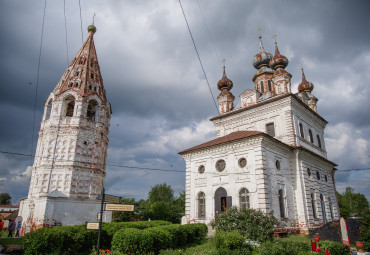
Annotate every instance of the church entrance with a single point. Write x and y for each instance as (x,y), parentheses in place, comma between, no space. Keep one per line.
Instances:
(222,201)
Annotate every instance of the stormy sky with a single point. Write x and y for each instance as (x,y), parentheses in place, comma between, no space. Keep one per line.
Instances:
(155,84)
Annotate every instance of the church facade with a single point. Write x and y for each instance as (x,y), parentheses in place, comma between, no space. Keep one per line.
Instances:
(69,168)
(269,155)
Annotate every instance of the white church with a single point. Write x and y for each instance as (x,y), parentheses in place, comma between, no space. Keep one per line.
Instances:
(69,168)
(269,155)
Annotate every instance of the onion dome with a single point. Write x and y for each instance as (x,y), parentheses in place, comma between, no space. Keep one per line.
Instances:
(305,85)
(262,58)
(224,83)
(91,28)
(280,72)
(278,60)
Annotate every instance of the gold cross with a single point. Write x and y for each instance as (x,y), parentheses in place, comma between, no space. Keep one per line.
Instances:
(94,18)
(301,62)
(223,62)
(274,36)
(259,32)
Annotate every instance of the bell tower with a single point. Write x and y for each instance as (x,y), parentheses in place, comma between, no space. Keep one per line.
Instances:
(69,168)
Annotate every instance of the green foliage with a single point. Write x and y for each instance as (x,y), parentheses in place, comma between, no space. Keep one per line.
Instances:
(152,240)
(161,192)
(252,224)
(350,202)
(284,247)
(335,248)
(230,240)
(5,199)
(365,230)
(118,216)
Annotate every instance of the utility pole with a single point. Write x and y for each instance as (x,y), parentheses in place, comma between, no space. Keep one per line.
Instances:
(100,221)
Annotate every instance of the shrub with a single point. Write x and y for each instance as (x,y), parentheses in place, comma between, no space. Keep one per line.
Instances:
(365,230)
(335,248)
(127,241)
(231,240)
(252,224)
(284,247)
(195,233)
(178,239)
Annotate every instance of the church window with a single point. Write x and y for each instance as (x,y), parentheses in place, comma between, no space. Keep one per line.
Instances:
(69,104)
(313,204)
(331,209)
(242,162)
(277,164)
(269,84)
(48,109)
(244,198)
(318,141)
(308,172)
(311,136)
(95,89)
(77,73)
(262,87)
(326,178)
(92,110)
(323,210)
(92,63)
(318,175)
(201,169)
(220,165)
(70,84)
(301,130)
(92,76)
(201,205)
(270,129)
(90,87)
(282,203)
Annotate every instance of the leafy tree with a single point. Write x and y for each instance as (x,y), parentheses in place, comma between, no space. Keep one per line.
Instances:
(127,216)
(351,202)
(365,230)
(161,192)
(5,199)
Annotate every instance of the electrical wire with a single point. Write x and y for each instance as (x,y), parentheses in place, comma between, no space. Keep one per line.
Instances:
(37,83)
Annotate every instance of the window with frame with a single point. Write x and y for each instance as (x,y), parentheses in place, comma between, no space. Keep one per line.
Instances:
(277,164)
(70,106)
(269,85)
(331,209)
(201,205)
(270,129)
(282,203)
(318,175)
(310,134)
(242,162)
(323,209)
(244,198)
(262,87)
(318,141)
(220,165)
(201,169)
(313,205)
(301,131)
(308,172)
(48,109)
(92,110)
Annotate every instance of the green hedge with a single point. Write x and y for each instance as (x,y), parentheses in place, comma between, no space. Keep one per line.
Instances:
(230,240)
(76,239)
(284,247)
(335,248)
(152,240)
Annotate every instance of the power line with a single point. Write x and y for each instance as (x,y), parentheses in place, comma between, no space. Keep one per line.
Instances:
(37,82)
(200,61)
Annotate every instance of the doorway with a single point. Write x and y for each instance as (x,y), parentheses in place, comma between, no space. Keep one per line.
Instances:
(222,201)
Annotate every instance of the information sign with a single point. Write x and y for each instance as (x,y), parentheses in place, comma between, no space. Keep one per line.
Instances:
(92,226)
(111,199)
(115,207)
(343,229)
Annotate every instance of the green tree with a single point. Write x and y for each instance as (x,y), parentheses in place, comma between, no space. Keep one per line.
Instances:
(161,192)
(5,199)
(351,202)
(127,216)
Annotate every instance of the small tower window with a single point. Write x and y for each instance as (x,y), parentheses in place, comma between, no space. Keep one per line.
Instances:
(310,134)
(269,84)
(323,210)
(313,204)
(270,129)
(201,205)
(318,141)
(282,203)
(92,110)
(90,87)
(318,175)
(244,198)
(48,109)
(92,64)
(277,164)
(92,76)
(308,172)
(301,130)
(262,87)
(69,104)
(77,73)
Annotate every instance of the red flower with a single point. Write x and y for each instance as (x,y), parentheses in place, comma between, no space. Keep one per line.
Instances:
(318,249)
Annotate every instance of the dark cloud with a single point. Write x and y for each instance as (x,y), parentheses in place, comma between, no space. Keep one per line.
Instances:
(160,99)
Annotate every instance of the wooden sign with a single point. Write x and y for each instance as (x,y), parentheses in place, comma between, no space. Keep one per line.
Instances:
(92,226)
(343,229)
(115,207)
(111,199)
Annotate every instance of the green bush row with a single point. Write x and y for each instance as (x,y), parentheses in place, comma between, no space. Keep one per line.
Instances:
(76,239)
(152,240)
(282,247)
(230,240)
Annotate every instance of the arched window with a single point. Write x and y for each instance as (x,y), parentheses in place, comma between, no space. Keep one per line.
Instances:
(313,204)
(48,109)
(282,203)
(323,210)
(310,134)
(92,110)
(201,205)
(318,141)
(301,130)
(244,198)
(69,104)
(269,84)
(262,87)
